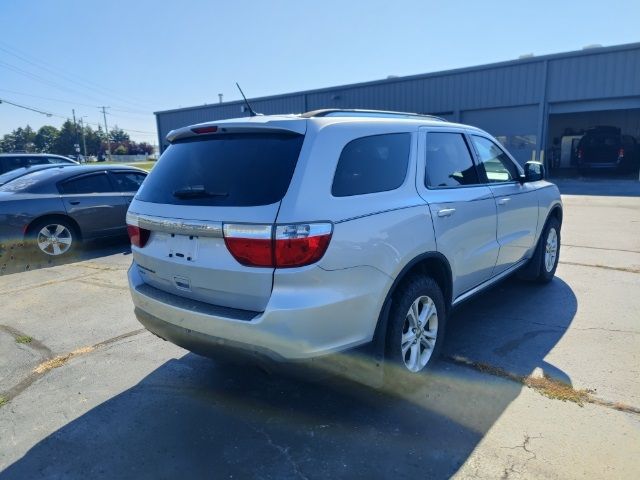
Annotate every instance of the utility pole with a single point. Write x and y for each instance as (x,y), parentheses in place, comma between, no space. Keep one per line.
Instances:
(76,146)
(84,142)
(106,131)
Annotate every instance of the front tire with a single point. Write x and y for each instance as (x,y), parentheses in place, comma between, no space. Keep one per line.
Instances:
(549,251)
(417,323)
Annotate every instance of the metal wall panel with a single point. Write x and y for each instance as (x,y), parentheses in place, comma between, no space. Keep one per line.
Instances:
(515,127)
(593,74)
(603,75)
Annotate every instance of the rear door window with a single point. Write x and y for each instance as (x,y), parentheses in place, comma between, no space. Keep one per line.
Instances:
(372,164)
(96,183)
(128,181)
(449,162)
(237,170)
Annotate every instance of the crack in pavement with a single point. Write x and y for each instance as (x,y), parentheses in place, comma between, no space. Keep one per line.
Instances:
(601,248)
(34,344)
(551,388)
(46,283)
(283,451)
(605,267)
(58,361)
(560,327)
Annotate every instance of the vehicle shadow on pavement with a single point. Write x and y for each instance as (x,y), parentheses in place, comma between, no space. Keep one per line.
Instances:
(513,326)
(17,257)
(194,418)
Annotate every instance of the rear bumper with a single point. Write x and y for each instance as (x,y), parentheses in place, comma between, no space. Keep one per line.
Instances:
(311,313)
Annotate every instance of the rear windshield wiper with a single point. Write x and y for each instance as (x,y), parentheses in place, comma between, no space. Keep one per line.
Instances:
(197,191)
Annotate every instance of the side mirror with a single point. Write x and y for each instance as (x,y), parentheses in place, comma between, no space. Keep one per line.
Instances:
(533,171)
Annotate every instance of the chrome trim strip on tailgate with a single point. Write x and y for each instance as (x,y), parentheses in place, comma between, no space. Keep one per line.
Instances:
(197,228)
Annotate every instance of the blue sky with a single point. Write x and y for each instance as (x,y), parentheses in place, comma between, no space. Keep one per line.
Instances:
(142,56)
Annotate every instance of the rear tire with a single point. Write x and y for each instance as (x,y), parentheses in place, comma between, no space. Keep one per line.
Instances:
(416,326)
(54,237)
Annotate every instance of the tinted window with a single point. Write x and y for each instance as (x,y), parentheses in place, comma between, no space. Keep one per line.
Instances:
(57,160)
(226,170)
(448,161)
(128,181)
(494,162)
(372,164)
(11,163)
(98,183)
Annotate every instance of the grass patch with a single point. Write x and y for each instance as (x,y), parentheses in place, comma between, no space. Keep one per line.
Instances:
(557,390)
(545,385)
(24,339)
(60,360)
(3,400)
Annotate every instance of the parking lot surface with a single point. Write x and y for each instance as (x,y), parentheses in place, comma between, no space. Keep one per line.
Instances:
(535,381)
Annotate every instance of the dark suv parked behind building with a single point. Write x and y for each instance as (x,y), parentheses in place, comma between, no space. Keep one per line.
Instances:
(607,148)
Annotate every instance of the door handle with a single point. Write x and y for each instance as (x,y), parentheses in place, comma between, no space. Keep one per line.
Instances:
(503,200)
(446,212)
(75,202)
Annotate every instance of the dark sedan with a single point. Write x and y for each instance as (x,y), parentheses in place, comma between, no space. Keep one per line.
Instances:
(56,208)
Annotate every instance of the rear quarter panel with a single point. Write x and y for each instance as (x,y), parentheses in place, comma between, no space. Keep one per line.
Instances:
(18,212)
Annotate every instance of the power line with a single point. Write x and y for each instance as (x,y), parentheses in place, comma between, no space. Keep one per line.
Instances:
(59,100)
(66,117)
(75,79)
(48,82)
(48,114)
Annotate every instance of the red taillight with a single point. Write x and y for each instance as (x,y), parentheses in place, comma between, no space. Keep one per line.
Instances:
(621,153)
(299,245)
(289,246)
(251,245)
(211,129)
(138,236)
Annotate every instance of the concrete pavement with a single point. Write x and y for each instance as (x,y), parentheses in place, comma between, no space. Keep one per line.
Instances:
(118,402)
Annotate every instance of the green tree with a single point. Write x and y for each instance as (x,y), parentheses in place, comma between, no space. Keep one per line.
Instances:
(67,138)
(117,135)
(46,139)
(8,143)
(24,139)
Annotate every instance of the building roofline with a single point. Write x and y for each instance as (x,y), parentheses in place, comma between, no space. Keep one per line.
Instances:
(441,73)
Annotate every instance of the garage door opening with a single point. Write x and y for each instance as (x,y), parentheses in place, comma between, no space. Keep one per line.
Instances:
(594,144)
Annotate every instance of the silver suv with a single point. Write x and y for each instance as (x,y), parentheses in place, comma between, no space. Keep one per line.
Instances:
(296,236)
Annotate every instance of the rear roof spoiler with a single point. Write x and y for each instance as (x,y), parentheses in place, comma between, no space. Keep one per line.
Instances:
(256,124)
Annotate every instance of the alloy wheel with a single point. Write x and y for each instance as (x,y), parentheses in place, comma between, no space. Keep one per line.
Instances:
(419,333)
(551,250)
(54,239)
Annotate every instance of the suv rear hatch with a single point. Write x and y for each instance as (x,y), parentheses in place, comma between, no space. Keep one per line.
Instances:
(600,148)
(212,193)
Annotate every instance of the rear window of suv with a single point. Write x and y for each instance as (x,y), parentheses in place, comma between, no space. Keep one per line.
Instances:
(238,170)
(372,164)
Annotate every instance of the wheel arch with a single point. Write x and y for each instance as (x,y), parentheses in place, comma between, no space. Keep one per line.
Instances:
(53,216)
(556,211)
(436,265)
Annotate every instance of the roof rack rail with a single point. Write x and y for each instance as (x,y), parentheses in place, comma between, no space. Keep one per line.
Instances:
(354,112)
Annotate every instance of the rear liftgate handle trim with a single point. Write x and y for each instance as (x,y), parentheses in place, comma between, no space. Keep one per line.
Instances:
(446,212)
